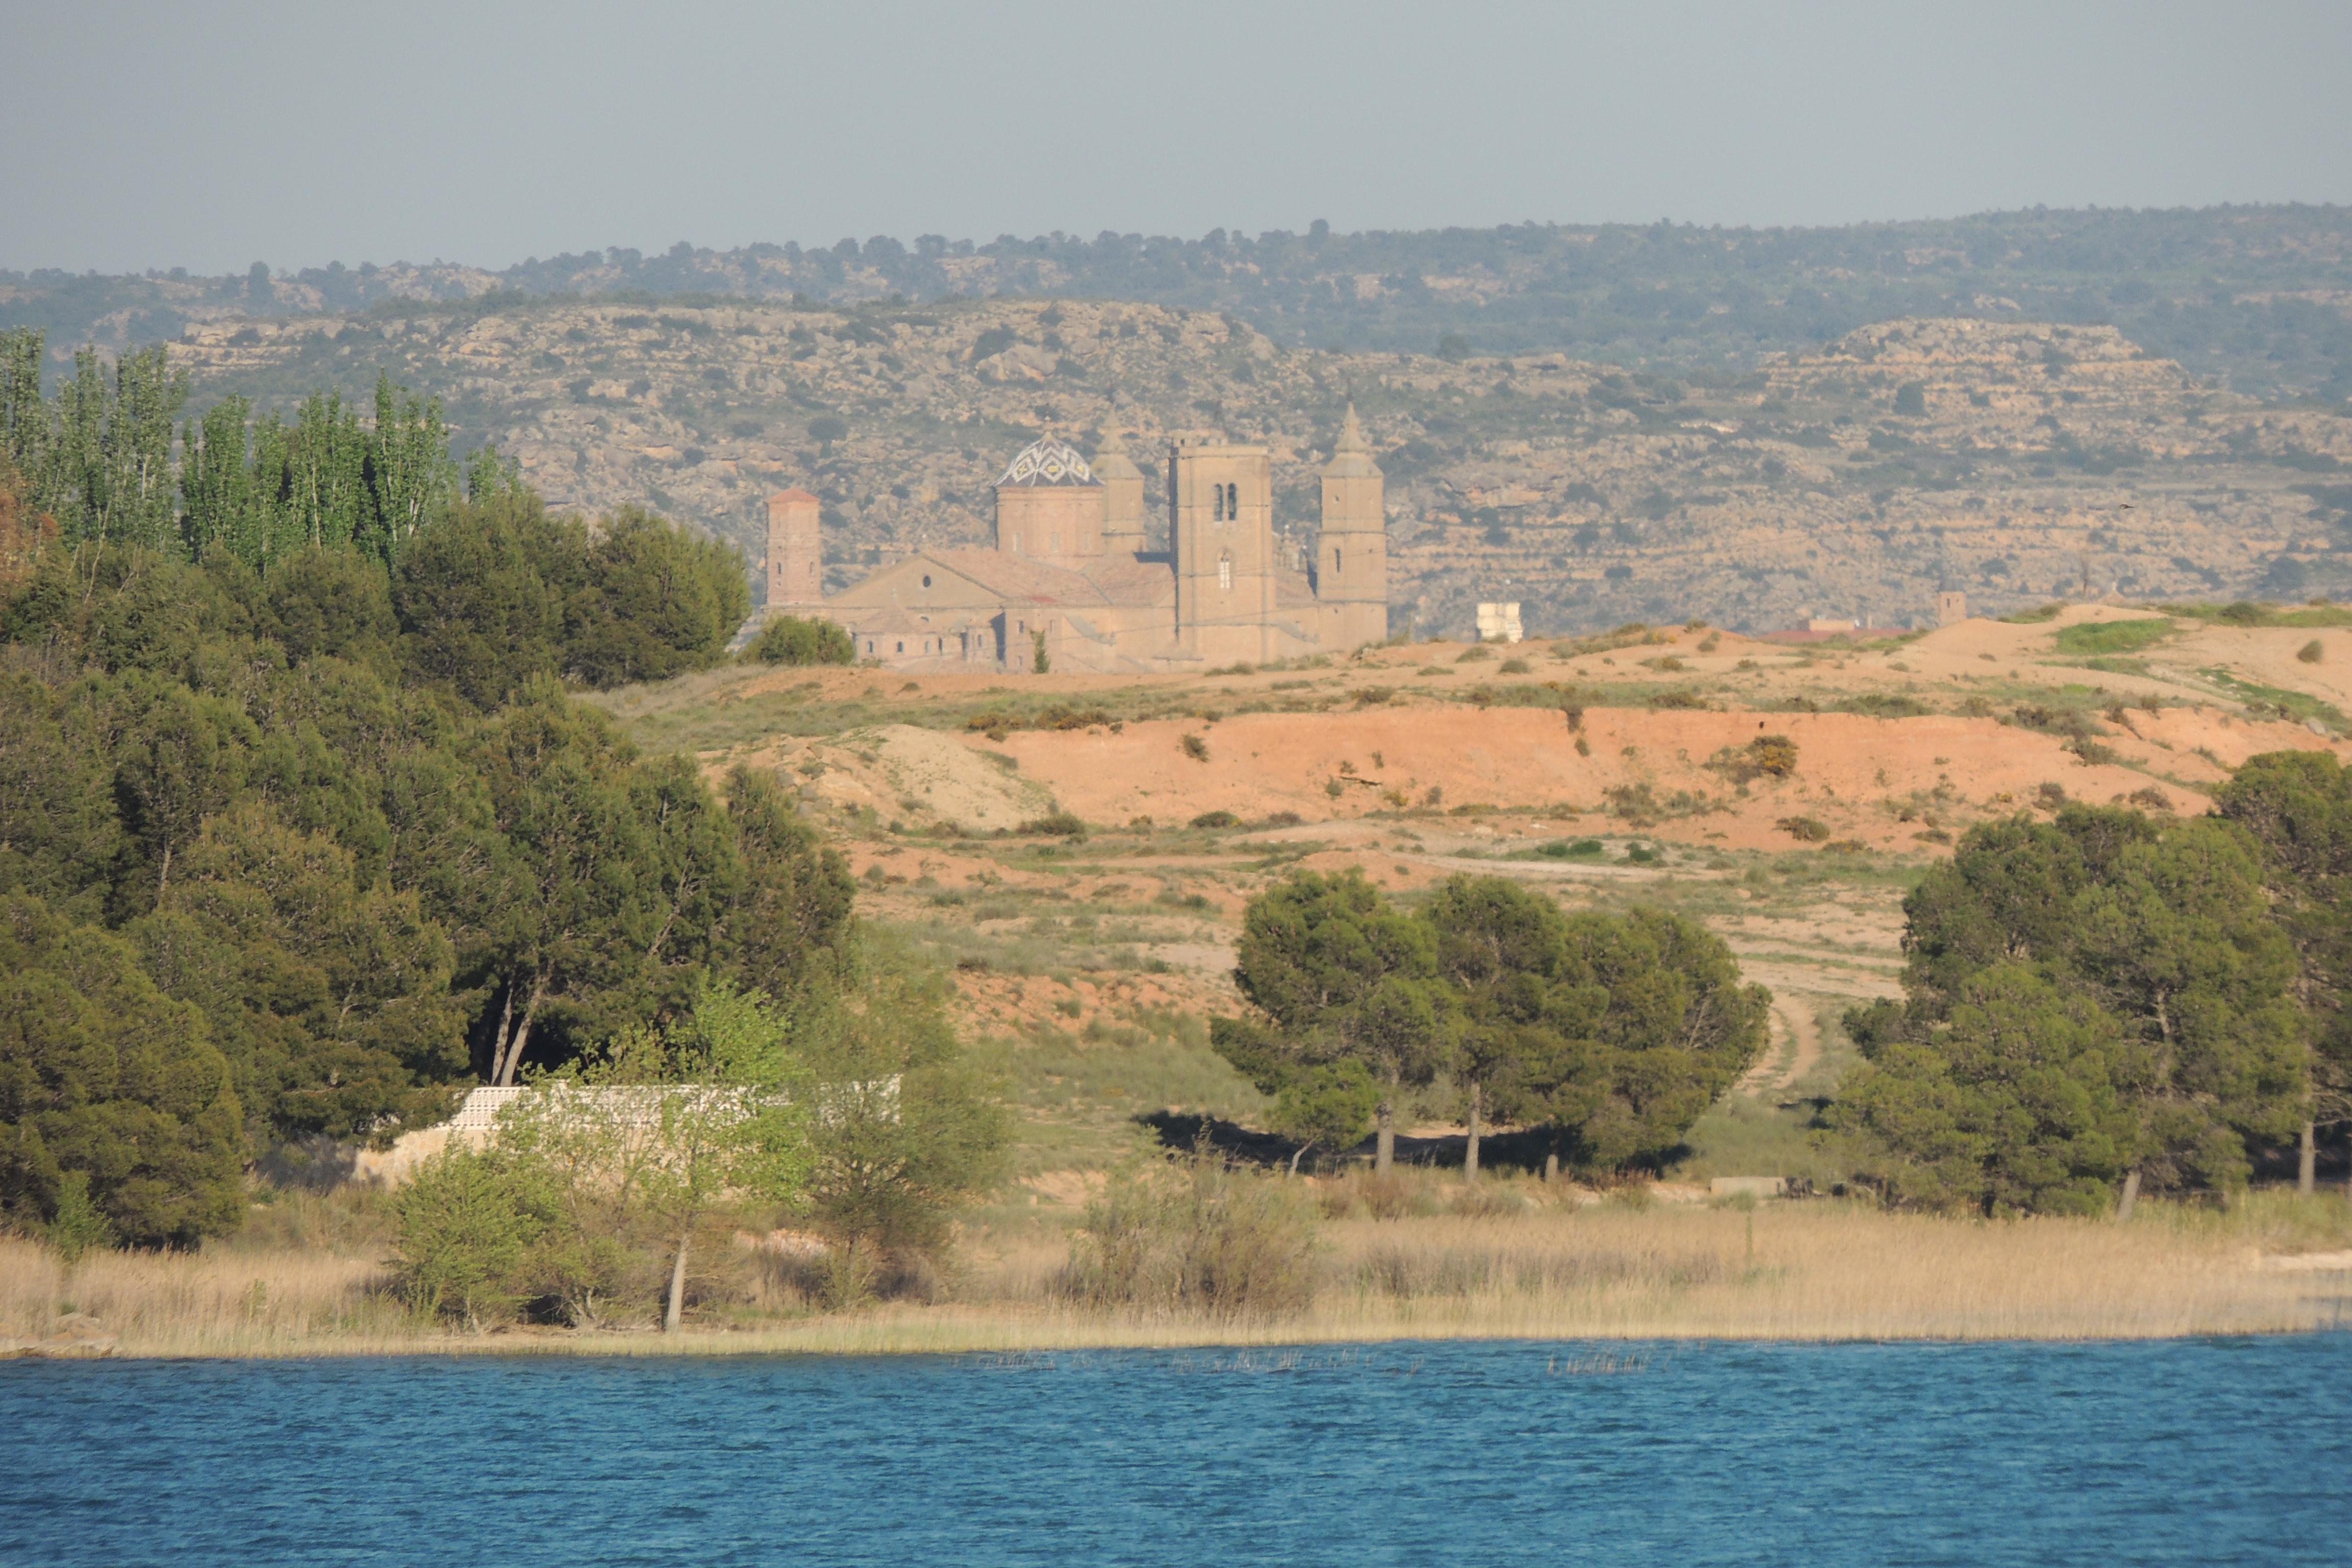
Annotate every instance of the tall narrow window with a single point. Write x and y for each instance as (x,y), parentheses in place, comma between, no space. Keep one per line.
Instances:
(1225,571)
(1233,501)
(1335,561)
(1218,492)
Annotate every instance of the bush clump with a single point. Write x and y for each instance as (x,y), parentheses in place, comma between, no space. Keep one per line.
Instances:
(1766,756)
(1196,1235)
(1804,829)
(1216,819)
(791,640)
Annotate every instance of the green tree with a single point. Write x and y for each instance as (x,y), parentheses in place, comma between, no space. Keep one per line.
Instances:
(614,878)
(1645,1023)
(1500,948)
(336,604)
(655,602)
(2017,1103)
(791,640)
(104,1075)
(480,597)
(2297,807)
(220,501)
(328,994)
(180,756)
(412,478)
(903,1132)
(1337,975)
(60,834)
(791,924)
(2164,926)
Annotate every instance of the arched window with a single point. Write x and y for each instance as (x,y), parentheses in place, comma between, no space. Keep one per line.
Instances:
(1334,563)
(902,645)
(1233,501)
(1218,492)
(1225,571)
(926,580)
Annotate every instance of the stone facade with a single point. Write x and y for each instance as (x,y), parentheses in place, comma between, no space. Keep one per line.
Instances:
(1070,584)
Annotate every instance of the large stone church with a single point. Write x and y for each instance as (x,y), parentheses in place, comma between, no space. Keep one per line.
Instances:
(1070,576)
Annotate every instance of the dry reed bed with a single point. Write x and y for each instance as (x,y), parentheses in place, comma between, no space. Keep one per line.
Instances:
(1783,1272)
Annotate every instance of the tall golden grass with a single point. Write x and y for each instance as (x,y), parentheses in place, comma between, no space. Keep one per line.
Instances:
(1786,1271)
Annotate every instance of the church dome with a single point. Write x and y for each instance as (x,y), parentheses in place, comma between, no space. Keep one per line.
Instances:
(1046,463)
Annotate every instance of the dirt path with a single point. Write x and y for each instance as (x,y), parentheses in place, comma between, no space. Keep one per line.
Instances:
(1796,1048)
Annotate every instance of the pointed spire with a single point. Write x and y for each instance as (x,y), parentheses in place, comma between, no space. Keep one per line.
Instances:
(1112,441)
(1351,434)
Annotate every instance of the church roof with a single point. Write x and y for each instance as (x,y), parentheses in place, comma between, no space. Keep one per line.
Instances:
(1047,462)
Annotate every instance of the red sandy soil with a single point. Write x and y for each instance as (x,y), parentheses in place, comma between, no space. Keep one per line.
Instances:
(1848,765)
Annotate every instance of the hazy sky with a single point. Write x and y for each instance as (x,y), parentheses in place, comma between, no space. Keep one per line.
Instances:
(209,136)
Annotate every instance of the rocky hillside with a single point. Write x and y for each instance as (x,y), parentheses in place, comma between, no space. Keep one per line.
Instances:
(2017,462)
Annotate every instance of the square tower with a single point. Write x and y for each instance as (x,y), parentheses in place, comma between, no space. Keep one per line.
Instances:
(1221,523)
(795,554)
(1351,566)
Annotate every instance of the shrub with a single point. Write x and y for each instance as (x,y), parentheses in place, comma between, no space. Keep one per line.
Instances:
(1804,829)
(1056,824)
(791,640)
(2311,652)
(1371,696)
(1194,1234)
(467,1221)
(1195,748)
(1216,819)
(1514,667)
(1766,756)
(1473,654)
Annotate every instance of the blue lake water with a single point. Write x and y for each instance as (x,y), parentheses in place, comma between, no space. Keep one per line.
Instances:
(2211,1451)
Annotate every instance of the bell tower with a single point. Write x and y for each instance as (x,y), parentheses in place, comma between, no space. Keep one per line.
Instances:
(1221,521)
(1352,557)
(795,555)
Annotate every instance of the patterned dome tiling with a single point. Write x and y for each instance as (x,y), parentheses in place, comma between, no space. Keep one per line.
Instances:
(1047,462)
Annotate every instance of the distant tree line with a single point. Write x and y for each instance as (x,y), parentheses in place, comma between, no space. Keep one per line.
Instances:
(2235,291)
